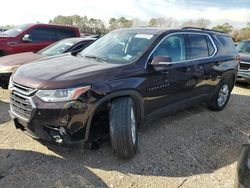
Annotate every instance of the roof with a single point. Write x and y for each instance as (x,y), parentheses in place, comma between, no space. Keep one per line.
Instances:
(42,24)
(157,30)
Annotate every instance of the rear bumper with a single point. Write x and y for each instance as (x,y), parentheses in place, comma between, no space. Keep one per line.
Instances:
(4,79)
(243,76)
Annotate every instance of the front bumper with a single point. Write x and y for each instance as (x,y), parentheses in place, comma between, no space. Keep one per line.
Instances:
(243,76)
(61,123)
(4,80)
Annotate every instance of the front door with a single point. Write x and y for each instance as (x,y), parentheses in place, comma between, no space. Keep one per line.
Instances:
(176,81)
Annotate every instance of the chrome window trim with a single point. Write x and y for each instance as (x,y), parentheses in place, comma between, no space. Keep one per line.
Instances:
(188,60)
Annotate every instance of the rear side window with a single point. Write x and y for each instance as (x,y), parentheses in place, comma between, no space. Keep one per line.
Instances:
(227,44)
(63,33)
(80,47)
(200,46)
(173,46)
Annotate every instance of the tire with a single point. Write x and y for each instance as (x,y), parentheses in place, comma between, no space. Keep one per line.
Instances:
(123,127)
(221,97)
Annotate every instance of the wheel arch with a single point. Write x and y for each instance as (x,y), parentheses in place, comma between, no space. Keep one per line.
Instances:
(230,74)
(137,98)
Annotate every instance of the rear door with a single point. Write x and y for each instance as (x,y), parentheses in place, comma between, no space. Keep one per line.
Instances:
(201,51)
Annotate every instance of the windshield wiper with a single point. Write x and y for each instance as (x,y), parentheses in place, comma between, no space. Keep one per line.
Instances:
(96,58)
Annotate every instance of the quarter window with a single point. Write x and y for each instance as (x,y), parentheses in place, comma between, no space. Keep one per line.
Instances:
(173,46)
(63,33)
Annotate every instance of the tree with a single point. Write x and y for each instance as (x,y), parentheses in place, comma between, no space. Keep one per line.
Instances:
(152,22)
(137,22)
(119,23)
(201,23)
(226,28)
(161,22)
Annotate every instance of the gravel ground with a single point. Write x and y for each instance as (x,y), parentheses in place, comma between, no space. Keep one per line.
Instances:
(193,148)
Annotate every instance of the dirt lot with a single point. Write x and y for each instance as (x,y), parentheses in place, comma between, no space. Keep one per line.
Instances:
(193,148)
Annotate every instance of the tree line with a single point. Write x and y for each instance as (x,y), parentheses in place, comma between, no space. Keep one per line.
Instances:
(98,26)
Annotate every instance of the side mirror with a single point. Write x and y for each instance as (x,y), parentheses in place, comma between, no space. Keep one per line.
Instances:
(161,62)
(26,38)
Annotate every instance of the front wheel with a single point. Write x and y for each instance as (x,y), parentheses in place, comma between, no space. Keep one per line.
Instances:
(123,127)
(221,97)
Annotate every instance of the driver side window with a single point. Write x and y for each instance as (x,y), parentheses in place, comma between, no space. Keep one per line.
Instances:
(173,47)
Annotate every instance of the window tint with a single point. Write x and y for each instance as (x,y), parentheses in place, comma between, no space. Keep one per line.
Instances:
(80,47)
(173,46)
(198,46)
(227,43)
(42,34)
(63,33)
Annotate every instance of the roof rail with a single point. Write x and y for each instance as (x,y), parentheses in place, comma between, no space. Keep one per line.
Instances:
(203,29)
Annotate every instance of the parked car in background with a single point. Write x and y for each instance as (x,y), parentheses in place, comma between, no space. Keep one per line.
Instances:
(11,62)
(244,70)
(33,37)
(120,81)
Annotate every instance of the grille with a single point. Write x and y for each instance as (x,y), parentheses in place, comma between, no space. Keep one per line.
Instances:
(244,66)
(23,89)
(20,102)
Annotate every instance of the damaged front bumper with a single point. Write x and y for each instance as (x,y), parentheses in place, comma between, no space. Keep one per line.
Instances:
(60,123)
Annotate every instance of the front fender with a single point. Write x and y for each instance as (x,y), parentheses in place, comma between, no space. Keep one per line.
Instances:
(109,97)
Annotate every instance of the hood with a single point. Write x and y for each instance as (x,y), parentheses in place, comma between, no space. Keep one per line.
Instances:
(19,59)
(61,72)
(245,57)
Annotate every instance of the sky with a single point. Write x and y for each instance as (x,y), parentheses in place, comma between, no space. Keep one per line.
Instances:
(236,12)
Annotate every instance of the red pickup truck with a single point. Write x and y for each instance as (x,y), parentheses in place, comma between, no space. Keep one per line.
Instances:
(33,37)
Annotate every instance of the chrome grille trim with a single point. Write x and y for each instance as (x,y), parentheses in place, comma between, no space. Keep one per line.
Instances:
(21,104)
(23,89)
(244,66)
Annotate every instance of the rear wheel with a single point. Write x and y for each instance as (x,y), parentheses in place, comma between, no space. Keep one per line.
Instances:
(221,97)
(123,127)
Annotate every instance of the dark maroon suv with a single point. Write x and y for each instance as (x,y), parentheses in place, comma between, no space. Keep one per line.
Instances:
(121,80)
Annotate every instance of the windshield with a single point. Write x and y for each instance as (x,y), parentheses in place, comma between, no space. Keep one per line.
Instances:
(16,31)
(118,46)
(57,48)
(244,47)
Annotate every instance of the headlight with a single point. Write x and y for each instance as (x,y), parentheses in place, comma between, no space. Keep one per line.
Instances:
(61,95)
(8,69)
